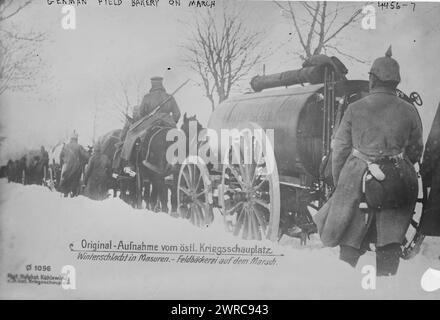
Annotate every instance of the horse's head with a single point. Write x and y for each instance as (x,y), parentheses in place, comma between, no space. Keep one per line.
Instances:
(186,121)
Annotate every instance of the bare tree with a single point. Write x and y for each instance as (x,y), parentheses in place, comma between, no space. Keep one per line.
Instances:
(319,24)
(19,59)
(124,96)
(222,50)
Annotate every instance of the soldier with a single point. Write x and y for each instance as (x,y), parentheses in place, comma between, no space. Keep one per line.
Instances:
(44,163)
(377,143)
(10,170)
(158,96)
(16,175)
(97,175)
(22,174)
(72,158)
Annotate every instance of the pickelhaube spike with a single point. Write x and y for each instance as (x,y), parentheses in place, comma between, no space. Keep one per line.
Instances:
(386,68)
(388,53)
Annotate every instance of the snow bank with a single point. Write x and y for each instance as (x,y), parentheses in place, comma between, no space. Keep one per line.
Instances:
(37,228)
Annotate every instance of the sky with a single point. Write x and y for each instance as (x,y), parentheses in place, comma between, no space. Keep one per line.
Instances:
(79,83)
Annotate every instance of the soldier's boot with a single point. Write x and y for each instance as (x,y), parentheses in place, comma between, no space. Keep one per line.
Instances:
(388,259)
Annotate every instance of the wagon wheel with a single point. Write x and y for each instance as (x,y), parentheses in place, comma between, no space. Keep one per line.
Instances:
(414,238)
(249,195)
(412,247)
(194,192)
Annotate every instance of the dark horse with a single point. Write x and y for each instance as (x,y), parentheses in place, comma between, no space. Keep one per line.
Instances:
(149,170)
(111,146)
(155,167)
(152,167)
(108,144)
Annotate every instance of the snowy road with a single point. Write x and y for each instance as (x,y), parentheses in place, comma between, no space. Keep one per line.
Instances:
(149,255)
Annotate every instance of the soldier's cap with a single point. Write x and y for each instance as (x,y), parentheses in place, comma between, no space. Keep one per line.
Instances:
(386,68)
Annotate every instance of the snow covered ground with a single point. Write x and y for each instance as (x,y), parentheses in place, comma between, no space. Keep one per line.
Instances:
(37,228)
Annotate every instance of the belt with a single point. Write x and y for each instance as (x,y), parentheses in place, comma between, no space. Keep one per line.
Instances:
(367,158)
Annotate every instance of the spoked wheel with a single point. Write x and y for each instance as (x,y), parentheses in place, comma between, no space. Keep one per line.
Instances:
(249,195)
(412,247)
(194,192)
(413,239)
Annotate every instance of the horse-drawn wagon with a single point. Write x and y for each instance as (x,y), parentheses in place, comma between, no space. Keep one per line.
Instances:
(277,192)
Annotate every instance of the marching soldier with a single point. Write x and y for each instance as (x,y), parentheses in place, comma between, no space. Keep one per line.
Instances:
(97,175)
(374,151)
(16,175)
(158,96)
(44,162)
(72,158)
(22,174)
(44,156)
(10,170)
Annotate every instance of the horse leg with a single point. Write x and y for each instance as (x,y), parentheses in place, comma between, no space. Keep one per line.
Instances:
(163,194)
(147,195)
(132,193)
(115,188)
(76,184)
(154,195)
(124,191)
(174,193)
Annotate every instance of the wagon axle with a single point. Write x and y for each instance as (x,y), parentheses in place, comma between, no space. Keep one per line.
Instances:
(244,196)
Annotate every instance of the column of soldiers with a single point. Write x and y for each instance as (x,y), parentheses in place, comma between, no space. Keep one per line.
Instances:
(74,157)
(29,169)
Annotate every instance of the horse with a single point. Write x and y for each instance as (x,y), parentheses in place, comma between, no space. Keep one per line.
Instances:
(155,168)
(108,146)
(119,180)
(152,166)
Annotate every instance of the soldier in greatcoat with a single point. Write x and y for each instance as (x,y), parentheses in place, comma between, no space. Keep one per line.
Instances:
(378,131)
(158,96)
(72,159)
(97,175)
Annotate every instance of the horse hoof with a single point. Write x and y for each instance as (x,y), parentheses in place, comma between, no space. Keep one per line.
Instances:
(183,212)
(174,213)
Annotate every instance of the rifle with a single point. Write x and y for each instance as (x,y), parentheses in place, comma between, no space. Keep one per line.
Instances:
(152,113)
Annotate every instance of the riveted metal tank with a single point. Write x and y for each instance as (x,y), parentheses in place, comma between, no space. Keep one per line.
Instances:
(295,114)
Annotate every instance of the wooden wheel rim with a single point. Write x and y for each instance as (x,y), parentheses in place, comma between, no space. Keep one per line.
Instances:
(194,182)
(249,221)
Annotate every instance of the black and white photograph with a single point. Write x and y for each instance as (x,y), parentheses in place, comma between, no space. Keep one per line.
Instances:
(219,150)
